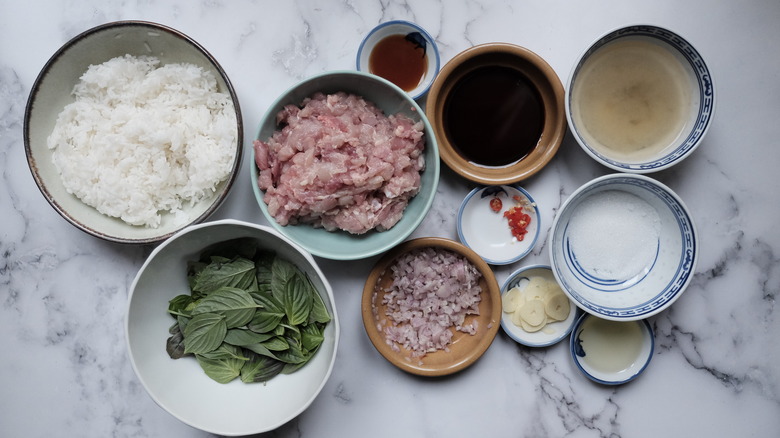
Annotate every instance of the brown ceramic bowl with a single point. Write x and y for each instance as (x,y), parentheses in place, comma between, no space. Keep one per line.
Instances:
(538,73)
(464,348)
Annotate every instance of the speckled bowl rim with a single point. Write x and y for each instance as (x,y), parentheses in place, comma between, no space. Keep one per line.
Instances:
(31,159)
(555,117)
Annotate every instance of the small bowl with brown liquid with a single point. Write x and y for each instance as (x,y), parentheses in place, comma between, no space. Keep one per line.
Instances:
(498,113)
(403,53)
(640,99)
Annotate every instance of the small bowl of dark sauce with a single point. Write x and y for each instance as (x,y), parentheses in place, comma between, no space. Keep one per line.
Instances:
(403,53)
(498,112)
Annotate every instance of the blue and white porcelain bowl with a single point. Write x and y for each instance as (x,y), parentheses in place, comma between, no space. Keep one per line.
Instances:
(487,232)
(412,32)
(611,352)
(683,74)
(623,247)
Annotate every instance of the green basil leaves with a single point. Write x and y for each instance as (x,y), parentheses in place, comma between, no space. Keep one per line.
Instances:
(249,314)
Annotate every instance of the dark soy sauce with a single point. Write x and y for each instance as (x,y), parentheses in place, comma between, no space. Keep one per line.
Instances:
(494,116)
(400,60)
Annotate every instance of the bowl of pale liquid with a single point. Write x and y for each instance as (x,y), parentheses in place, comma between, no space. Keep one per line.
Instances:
(611,352)
(640,99)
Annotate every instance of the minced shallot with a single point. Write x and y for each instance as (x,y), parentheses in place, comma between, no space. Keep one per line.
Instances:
(432,292)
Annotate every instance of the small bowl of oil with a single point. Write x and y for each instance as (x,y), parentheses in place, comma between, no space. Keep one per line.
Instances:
(403,53)
(611,352)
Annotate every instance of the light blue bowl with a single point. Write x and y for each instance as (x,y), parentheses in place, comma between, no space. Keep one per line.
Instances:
(699,118)
(341,245)
(651,272)
(401,27)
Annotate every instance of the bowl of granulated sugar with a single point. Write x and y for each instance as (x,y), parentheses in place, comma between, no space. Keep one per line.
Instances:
(623,247)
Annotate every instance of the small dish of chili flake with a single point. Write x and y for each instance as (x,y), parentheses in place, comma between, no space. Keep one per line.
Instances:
(500,223)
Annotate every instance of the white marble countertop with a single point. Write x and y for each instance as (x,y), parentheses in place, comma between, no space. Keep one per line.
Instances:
(64,369)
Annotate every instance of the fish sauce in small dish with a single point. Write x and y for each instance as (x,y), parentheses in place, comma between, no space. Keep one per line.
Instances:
(400,59)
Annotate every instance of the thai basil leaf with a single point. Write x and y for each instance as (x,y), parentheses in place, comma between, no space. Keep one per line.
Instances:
(312,336)
(261,350)
(182,321)
(235,304)
(242,337)
(178,305)
(263,263)
(221,370)
(260,369)
(225,351)
(297,300)
(239,273)
(204,333)
(293,367)
(276,343)
(282,273)
(175,344)
(319,313)
(268,316)
(294,355)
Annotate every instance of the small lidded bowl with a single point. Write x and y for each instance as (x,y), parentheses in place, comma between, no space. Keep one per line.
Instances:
(403,53)
(640,99)
(532,323)
(498,113)
(500,223)
(611,352)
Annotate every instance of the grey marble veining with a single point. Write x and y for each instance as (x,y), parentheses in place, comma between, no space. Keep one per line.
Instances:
(64,369)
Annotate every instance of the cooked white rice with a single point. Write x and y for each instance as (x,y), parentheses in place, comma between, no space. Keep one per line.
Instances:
(142,139)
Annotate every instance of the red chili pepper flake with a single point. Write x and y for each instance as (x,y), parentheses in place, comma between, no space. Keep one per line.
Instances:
(496,204)
(518,221)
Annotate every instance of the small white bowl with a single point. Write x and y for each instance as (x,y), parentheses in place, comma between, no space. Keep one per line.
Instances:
(413,32)
(611,352)
(693,87)
(180,386)
(553,332)
(623,247)
(487,232)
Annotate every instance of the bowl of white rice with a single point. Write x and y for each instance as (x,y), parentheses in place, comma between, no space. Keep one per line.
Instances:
(133,131)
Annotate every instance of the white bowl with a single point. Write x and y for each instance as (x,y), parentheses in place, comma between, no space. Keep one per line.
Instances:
(411,30)
(487,232)
(692,91)
(623,247)
(52,91)
(611,352)
(553,332)
(180,386)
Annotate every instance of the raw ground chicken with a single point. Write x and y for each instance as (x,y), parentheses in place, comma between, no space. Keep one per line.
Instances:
(339,163)
(433,291)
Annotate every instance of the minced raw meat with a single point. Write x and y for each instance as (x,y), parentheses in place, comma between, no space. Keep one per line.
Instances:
(340,163)
(432,292)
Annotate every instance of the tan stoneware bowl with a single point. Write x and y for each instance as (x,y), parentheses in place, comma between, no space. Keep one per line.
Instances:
(464,348)
(542,78)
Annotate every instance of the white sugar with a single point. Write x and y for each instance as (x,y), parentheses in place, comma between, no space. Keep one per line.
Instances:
(614,235)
